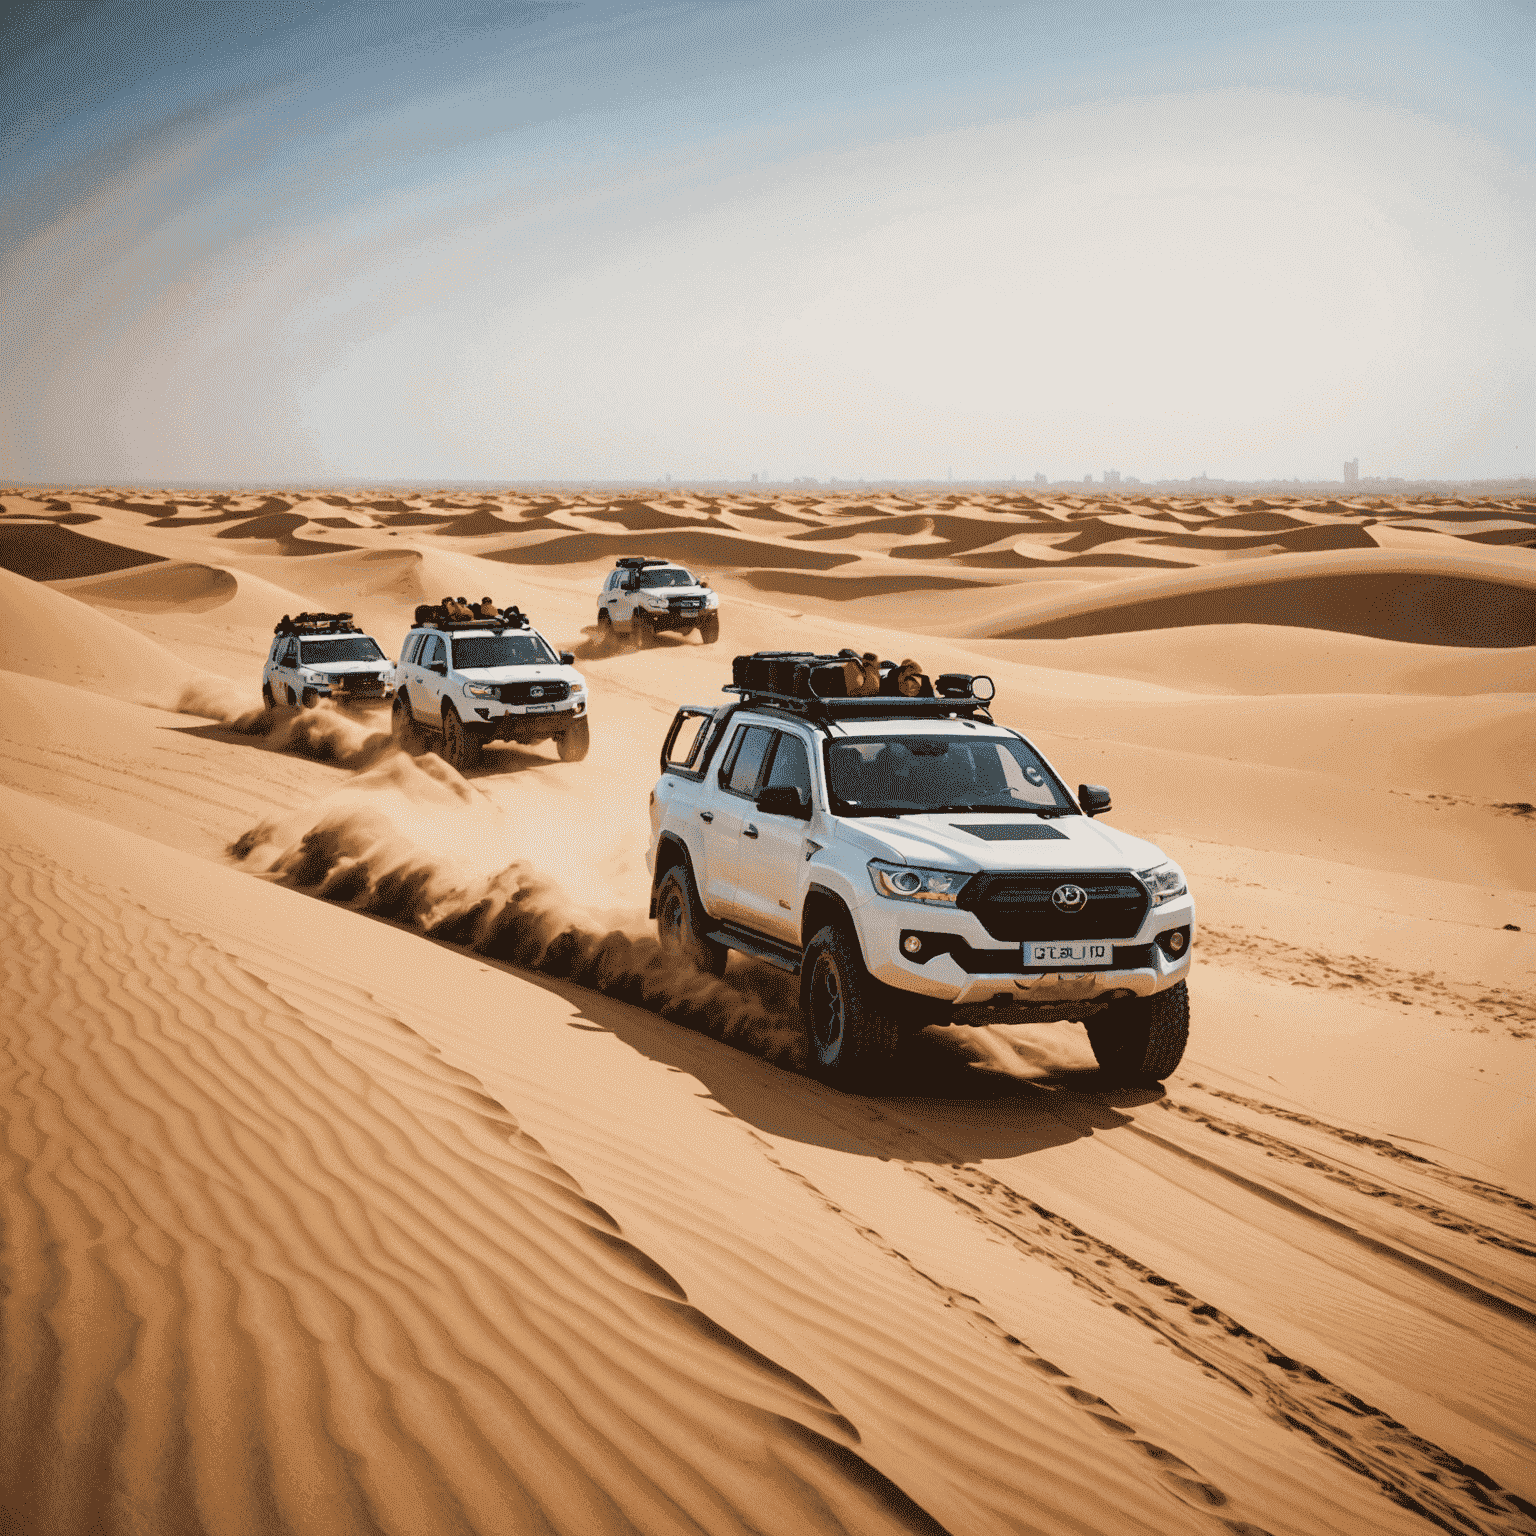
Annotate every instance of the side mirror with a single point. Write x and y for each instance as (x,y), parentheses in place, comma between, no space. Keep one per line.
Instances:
(783,800)
(1093,798)
(440,667)
(567,658)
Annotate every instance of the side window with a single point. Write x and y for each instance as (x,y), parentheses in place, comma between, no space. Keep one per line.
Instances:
(790,767)
(290,654)
(687,736)
(409,649)
(747,764)
(432,650)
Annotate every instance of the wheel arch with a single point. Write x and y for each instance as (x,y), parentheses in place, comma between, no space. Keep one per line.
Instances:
(671,851)
(822,906)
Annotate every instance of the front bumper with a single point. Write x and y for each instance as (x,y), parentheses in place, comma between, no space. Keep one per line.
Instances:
(370,692)
(974,973)
(675,618)
(514,722)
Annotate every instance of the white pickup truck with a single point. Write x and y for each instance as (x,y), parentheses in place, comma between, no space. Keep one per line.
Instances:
(916,864)
(475,681)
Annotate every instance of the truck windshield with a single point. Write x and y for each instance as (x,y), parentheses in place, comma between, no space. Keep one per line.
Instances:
(499,651)
(346,648)
(667,576)
(893,776)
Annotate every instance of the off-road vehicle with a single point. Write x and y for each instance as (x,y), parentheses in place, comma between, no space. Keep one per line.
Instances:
(474,681)
(643,597)
(324,656)
(916,864)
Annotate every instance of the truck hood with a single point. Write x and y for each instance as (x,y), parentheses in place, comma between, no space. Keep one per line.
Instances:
(944,842)
(677,591)
(551,673)
(338,668)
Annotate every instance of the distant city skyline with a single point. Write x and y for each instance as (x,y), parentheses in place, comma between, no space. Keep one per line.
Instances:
(611,239)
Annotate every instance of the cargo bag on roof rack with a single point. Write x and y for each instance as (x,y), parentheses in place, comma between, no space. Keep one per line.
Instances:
(797,674)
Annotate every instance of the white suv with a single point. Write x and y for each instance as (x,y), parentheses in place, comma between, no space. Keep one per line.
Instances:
(643,597)
(324,656)
(474,681)
(916,864)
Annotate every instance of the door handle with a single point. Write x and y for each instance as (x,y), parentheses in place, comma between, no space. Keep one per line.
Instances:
(706,815)
(748,830)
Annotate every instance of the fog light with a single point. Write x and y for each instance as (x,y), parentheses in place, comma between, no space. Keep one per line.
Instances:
(912,944)
(1176,943)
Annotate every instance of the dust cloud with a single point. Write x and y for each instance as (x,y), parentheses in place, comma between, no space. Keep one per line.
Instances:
(408,840)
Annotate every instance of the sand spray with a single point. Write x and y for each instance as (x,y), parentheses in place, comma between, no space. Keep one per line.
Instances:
(408,839)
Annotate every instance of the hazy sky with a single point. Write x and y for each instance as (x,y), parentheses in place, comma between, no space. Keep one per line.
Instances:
(322,239)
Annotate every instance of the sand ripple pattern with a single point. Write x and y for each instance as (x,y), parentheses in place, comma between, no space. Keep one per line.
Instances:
(271,1265)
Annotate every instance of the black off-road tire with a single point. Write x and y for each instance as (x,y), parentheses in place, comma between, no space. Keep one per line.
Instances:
(852,1020)
(573,742)
(709,630)
(266,696)
(402,727)
(309,698)
(461,747)
(1143,1038)
(681,922)
(293,699)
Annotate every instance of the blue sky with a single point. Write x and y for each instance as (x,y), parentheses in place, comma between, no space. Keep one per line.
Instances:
(335,241)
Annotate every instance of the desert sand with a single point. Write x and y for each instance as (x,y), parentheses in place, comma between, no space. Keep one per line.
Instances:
(366,1169)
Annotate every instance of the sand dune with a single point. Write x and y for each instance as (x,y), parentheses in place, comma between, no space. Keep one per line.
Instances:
(1257,659)
(1446,600)
(367,1169)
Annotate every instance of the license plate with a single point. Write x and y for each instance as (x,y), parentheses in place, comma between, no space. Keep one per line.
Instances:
(541,709)
(1080,955)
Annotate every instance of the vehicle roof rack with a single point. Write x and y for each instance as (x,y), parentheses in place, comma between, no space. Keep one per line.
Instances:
(868,707)
(316,624)
(639,562)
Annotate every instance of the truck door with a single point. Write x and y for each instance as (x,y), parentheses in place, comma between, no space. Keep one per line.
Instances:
(427,685)
(732,789)
(773,847)
(287,678)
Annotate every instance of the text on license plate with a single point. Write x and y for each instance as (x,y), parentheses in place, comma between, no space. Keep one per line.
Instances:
(541,709)
(1077,955)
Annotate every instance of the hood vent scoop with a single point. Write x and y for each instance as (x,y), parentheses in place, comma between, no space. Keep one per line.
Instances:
(1013,832)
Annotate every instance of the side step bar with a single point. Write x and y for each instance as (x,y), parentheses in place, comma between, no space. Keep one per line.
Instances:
(785,956)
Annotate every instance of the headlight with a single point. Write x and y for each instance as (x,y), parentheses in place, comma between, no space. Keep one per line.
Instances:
(480,690)
(1164,881)
(711,599)
(909,882)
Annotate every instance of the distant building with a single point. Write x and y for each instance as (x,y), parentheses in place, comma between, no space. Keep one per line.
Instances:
(1111,477)
(1351,471)
(1040,479)
(754,479)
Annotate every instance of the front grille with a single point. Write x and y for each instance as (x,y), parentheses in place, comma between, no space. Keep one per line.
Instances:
(1019,907)
(680,604)
(356,680)
(523,693)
